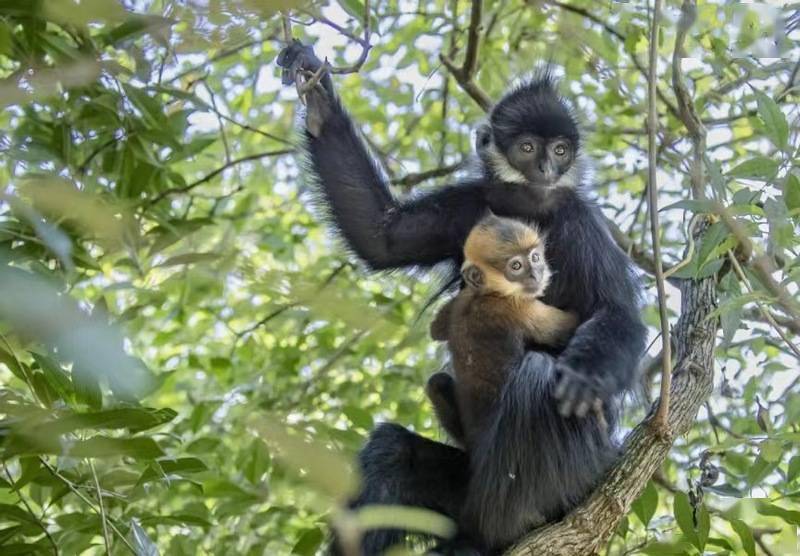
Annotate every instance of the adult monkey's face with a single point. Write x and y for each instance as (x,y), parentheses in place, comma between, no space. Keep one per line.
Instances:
(532,137)
(541,160)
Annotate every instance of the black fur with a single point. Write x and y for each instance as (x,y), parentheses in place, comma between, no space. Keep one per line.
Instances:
(534,464)
(533,106)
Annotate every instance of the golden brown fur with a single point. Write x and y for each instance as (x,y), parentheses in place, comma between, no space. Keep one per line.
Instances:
(489,323)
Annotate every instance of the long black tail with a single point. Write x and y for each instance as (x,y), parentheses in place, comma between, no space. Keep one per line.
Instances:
(531,465)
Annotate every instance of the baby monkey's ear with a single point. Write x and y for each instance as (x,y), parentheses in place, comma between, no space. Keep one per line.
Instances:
(472,275)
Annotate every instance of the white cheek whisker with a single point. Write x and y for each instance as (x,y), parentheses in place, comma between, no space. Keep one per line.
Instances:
(502,168)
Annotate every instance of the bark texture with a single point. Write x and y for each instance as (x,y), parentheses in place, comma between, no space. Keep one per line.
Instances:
(587,529)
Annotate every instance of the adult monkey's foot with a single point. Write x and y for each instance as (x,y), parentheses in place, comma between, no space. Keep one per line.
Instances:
(299,59)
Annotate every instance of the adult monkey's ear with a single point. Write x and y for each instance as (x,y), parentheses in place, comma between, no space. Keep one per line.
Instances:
(472,275)
(483,137)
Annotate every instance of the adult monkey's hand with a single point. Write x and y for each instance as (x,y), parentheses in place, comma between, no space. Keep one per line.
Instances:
(314,84)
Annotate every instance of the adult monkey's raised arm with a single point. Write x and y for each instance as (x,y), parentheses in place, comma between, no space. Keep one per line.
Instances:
(383,231)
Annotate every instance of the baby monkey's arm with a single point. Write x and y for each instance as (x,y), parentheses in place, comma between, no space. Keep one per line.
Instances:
(547,325)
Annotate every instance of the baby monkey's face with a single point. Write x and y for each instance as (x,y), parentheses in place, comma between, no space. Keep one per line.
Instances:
(528,271)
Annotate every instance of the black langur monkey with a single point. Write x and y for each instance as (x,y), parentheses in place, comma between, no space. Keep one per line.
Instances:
(489,323)
(540,454)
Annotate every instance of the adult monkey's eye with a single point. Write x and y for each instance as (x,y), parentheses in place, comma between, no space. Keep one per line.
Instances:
(560,149)
(515,265)
(526,147)
(535,257)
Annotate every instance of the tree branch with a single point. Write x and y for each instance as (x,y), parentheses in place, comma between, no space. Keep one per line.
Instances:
(208,177)
(583,12)
(587,528)
(366,46)
(660,421)
(465,74)
(410,180)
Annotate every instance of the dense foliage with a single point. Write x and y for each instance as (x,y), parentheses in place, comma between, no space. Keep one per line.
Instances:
(189,362)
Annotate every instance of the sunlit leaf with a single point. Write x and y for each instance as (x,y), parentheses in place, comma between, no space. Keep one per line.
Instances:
(684,515)
(645,506)
(774,120)
(745,535)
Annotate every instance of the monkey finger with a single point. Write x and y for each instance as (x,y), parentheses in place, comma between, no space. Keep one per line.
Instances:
(288,60)
(561,387)
(569,399)
(582,408)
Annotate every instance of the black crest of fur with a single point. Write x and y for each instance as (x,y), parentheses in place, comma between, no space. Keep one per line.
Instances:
(534,106)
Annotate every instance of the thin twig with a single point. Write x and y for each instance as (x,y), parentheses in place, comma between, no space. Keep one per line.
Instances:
(687,112)
(71,486)
(103,518)
(286,25)
(784,322)
(222,54)
(620,36)
(410,180)
(763,310)
(222,132)
(465,74)
(660,422)
(30,510)
(254,129)
(363,41)
(212,175)
(761,265)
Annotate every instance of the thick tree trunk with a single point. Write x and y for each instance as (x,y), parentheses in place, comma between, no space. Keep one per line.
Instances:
(587,529)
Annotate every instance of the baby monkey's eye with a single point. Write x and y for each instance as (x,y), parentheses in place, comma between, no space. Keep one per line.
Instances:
(515,265)
(526,147)
(534,257)
(560,149)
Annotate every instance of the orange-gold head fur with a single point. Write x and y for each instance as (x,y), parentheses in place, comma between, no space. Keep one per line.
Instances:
(505,257)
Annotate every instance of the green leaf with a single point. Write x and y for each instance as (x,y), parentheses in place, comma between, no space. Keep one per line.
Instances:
(745,535)
(693,205)
(726,490)
(703,525)
(759,167)
(722,543)
(378,516)
(759,471)
(791,517)
(87,388)
(771,451)
(258,462)
(308,541)
(623,527)
(142,543)
(190,258)
(774,120)
(13,513)
(645,506)
(791,192)
(166,467)
(682,510)
(150,108)
(668,549)
(101,446)
(359,417)
(56,377)
(794,469)
(14,365)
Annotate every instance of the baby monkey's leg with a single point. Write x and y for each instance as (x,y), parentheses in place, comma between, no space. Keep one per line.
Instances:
(441,389)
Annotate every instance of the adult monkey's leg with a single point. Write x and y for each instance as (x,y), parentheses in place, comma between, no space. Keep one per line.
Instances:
(399,467)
